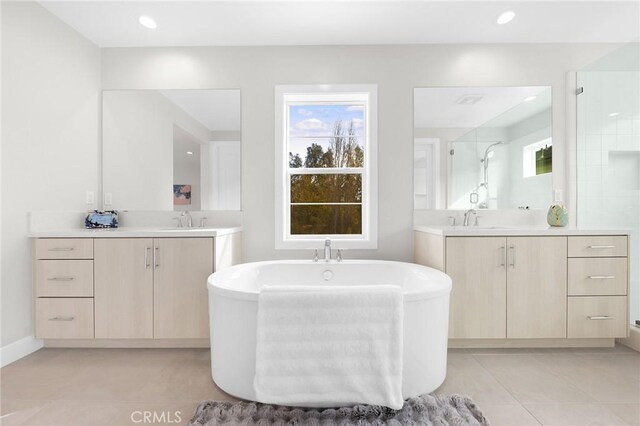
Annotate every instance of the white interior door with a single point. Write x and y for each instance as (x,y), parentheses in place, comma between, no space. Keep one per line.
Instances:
(224,191)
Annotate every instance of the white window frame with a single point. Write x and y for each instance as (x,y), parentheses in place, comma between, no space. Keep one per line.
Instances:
(290,94)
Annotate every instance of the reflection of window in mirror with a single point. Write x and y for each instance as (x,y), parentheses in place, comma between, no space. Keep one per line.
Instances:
(536,158)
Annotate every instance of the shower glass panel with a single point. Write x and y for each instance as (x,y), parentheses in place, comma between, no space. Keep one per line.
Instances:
(608,151)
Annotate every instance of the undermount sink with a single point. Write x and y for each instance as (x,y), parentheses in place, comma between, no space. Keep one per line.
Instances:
(174,229)
(479,228)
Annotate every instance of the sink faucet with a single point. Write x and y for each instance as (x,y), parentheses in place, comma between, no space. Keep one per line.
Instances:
(327,249)
(186,216)
(466,216)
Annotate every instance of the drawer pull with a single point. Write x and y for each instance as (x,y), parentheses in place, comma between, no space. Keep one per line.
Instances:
(61,279)
(601,247)
(599,317)
(61,249)
(62,319)
(602,277)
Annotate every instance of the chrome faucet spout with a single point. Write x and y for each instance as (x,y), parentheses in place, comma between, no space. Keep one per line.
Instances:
(327,249)
(467,216)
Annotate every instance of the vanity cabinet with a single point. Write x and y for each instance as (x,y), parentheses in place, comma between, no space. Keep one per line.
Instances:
(123,288)
(152,288)
(63,289)
(536,287)
(180,296)
(549,289)
(479,294)
(138,290)
(507,287)
(598,286)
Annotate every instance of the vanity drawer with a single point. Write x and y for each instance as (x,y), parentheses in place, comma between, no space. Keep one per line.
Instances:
(606,276)
(64,248)
(64,318)
(64,278)
(598,246)
(597,317)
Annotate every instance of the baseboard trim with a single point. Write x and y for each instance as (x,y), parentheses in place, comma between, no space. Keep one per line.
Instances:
(531,343)
(633,341)
(19,349)
(126,343)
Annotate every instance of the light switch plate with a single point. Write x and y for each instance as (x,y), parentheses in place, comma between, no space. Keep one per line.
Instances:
(108,199)
(90,197)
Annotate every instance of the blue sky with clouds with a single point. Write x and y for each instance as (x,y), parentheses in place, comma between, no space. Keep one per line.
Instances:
(317,121)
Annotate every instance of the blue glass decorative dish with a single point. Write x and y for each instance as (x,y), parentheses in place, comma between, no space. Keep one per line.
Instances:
(101,219)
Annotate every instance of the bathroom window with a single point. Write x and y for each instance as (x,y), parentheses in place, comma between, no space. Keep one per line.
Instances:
(326,184)
(537,158)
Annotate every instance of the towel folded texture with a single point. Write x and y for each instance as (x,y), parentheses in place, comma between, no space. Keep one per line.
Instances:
(329,345)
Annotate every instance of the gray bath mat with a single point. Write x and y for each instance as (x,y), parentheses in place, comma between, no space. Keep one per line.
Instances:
(438,410)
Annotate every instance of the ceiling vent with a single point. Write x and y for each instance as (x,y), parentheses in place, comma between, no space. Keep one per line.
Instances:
(469,99)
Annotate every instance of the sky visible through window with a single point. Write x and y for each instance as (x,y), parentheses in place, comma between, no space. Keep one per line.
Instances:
(315,123)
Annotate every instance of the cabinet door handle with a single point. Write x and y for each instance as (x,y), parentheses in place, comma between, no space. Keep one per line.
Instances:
(601,247)
(61,279)
(503,258)
(62,319)
(599,317)
(61,249)
(147,265)
(156,258)
(513,256)
(601,277)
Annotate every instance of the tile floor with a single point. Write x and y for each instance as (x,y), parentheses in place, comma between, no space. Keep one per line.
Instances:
(513,387)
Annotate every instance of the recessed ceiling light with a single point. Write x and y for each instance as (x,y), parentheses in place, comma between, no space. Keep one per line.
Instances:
(506,17)
(614,114)
(190,152)
(147,22)
(529,98)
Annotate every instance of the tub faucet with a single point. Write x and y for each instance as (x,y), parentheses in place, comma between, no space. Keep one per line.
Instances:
(467,215)
(327,249)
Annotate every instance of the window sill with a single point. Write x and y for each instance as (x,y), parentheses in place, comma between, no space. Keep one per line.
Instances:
(318,243)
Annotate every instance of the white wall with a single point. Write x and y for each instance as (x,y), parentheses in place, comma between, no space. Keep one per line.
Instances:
(137,148)
(396,69)
(50,139)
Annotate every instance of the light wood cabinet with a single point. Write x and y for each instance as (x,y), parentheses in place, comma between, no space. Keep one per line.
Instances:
(63,288)
(64,318)
(604,276)
(476,266)
(128,291)
(123,288)
(536,287)
(180,297)
(64,278)
(598,316)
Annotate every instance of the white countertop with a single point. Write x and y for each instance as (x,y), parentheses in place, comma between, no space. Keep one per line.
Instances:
(514,230)
(129,232)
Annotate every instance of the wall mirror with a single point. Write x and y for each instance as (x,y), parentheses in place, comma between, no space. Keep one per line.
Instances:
(482,147)
(171,149)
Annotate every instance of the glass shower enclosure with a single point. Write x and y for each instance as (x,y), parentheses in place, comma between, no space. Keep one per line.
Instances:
(608,151)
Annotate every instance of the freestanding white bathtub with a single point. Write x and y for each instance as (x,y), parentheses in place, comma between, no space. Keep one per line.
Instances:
(233,309)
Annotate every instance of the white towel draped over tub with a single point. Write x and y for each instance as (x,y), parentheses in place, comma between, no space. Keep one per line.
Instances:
(328,345)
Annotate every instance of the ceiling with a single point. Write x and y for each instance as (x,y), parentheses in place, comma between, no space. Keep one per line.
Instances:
(267,22)
(441,107)
(217,110)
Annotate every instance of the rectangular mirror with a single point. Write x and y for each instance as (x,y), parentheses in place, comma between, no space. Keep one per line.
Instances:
(171,149)
(482,147)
